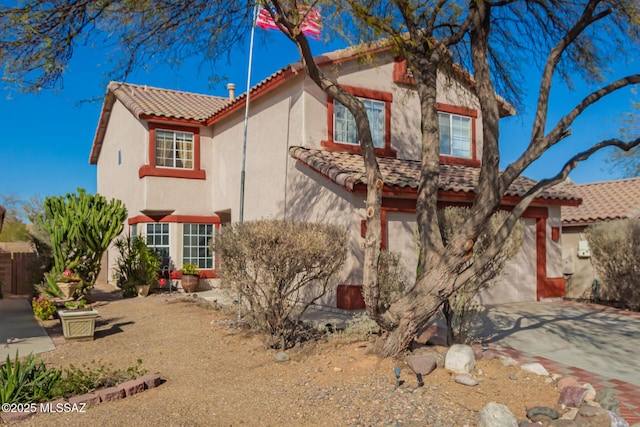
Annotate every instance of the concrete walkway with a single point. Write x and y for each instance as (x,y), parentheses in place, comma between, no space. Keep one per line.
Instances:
(596,344)
(20,331)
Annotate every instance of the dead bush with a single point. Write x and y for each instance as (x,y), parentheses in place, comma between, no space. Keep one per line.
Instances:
(279,268)
(392,279)
(615,246)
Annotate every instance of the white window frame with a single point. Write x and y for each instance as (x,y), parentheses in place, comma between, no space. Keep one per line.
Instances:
(202,234)
(168,157)
(347,133)
(458,144)
(155,231)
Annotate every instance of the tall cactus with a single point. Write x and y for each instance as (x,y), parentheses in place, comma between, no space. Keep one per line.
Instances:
(82,227)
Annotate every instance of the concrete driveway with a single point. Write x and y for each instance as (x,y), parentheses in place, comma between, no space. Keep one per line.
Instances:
(593,338)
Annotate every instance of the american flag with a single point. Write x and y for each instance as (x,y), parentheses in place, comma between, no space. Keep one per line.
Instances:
(311,25)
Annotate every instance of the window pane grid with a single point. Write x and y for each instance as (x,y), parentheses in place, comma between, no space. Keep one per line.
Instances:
(157,237)
(196,250)
(174,149)
(345,130)
(455,135)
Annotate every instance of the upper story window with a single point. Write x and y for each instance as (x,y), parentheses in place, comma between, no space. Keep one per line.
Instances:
(345,130)
(455,135)
(342,129)
(174,152)
(174,149)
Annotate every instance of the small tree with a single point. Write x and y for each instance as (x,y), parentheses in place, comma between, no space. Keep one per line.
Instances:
(461,307)
(279,268)
(81,227)
(615,247)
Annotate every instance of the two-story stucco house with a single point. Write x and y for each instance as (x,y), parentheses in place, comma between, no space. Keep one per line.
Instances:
(175,159)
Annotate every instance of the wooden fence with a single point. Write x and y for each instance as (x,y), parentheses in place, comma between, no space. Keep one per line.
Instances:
(14,272)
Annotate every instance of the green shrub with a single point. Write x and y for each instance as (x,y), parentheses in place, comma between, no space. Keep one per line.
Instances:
(279,268)
(30,381)
(27,381)
(615,246)
(137,264)
(81,380)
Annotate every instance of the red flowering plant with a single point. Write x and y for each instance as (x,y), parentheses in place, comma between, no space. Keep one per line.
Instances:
(66,276)
(43,307)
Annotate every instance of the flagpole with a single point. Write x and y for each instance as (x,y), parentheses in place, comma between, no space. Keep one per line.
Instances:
(244,135)
(246,114)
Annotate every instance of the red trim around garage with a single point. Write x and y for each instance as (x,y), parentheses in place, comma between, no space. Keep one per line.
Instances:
(545,286)
(150,169)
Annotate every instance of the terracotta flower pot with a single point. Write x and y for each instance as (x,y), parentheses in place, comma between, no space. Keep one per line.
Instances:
(190,282)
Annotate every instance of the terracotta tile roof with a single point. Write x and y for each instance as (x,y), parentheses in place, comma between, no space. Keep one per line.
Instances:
(152,101)
(603,201)
(347,170)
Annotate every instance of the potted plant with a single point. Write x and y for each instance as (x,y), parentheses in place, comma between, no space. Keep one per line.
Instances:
(75,305)
(67,282)
(137,267)
(190,277)
(78,324)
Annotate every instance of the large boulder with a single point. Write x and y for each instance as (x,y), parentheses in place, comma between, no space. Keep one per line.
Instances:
(460,359)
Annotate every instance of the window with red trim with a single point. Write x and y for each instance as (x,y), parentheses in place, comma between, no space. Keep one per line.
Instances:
(457,135)
(343,134)
(174,151)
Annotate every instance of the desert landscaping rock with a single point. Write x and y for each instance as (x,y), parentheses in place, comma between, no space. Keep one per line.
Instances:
(542,414)
(508,361)
(421,364)
(496,415)
(460,359)
(466,379)
(572,396)
(591,416)
(606,399)
(567,382)
(281,356)
(535,368)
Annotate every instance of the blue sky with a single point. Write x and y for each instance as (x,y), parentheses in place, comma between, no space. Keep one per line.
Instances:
(46,138)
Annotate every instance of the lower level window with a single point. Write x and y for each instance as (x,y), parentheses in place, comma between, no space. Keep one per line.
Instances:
(196,247)
(157,235)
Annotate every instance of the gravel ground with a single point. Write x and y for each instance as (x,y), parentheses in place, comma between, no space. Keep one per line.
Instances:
(218,375)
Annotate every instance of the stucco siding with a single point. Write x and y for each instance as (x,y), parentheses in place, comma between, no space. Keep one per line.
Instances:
(272,127)
(579,270)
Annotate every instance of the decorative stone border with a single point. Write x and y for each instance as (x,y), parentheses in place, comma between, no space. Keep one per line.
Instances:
(126,389)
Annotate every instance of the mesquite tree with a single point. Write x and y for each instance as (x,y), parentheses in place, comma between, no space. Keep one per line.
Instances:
(493,38)
(431,37)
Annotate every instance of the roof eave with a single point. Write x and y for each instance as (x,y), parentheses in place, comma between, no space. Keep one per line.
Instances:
(103,121)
